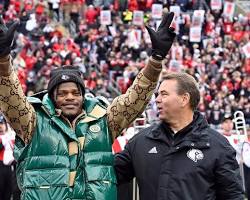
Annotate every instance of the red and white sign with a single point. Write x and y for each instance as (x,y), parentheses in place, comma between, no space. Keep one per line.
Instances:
(228,10)
(157,11)
(216,4)
(246,49)
(176,10)
(175,23)
(134,38)
(138,18)
(195,34)
(105,17)
(176,52)
(198,18)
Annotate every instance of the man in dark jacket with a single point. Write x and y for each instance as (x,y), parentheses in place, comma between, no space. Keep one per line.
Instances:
(181,158)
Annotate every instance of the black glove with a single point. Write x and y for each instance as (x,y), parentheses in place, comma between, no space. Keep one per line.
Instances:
(163,38)
(6,37)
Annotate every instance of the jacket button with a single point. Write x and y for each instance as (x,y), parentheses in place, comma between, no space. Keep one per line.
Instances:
(192,144)
(177,148)
(208,144)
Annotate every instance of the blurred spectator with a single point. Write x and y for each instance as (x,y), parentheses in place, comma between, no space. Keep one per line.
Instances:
(227,130)
(54,8)
(242,148)
(91,15)
(6,158)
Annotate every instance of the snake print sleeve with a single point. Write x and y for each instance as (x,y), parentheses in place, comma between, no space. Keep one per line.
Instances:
(125,108)
(19,113)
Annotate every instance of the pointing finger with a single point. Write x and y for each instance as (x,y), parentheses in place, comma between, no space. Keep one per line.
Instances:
(169,20)
(163,21)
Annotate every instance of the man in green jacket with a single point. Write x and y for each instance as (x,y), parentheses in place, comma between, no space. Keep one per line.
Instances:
(63,144)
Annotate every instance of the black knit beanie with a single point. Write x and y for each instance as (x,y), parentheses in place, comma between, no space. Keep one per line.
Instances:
(65,74)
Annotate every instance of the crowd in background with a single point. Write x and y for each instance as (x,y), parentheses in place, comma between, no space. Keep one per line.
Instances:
(53,33)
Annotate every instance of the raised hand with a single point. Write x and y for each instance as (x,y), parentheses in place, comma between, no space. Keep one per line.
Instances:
(163,38)
(6,37)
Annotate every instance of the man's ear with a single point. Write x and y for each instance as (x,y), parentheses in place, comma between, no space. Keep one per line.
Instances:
(185,99)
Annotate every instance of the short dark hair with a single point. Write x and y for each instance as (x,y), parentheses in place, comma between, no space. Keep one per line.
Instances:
(186,84)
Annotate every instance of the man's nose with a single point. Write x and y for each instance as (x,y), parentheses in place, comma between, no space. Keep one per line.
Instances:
(70,96)
(158,99)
